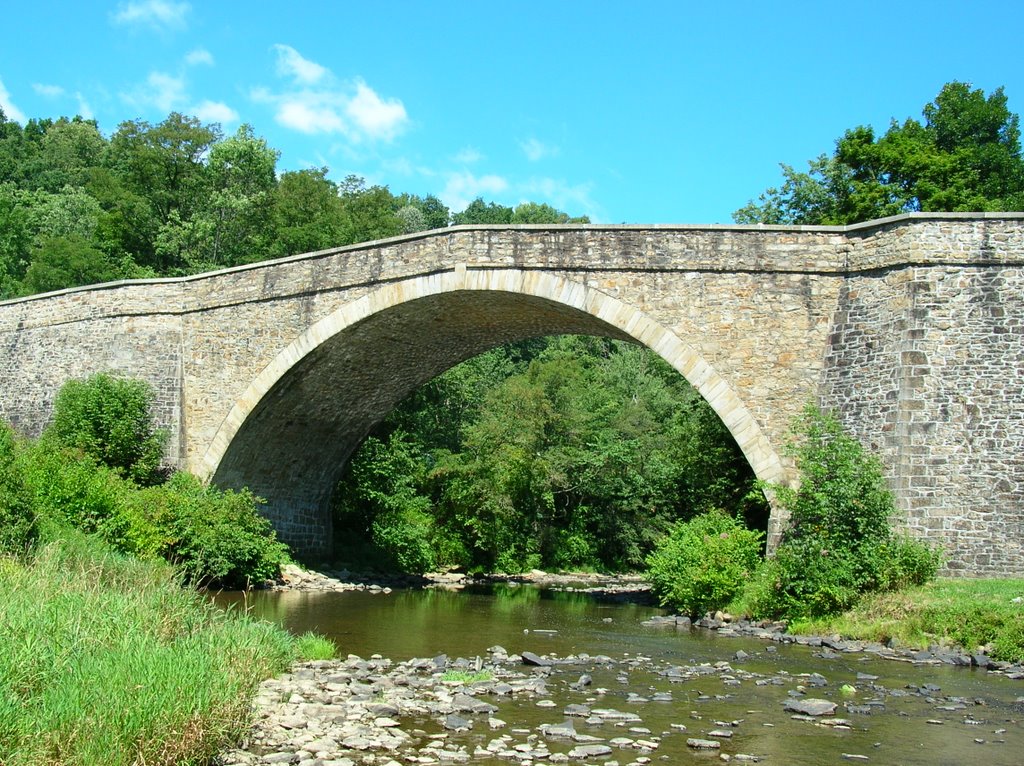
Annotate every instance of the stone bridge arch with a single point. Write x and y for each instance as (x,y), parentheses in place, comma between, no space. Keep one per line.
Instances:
(289,434)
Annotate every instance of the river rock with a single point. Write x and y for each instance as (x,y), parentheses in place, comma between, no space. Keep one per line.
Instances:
(465,703)
(566,730)
(589,751)
(529,658)
(454,722)
(703,744)
(810,706)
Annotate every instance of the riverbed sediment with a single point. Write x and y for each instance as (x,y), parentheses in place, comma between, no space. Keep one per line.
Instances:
(618,711)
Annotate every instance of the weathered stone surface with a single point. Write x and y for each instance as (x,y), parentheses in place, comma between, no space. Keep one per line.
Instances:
(269,375)
(529,658)
(589,751)
(703,744)
(810,706)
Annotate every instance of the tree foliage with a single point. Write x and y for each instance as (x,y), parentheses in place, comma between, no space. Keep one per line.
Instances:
(703,563)
(965,156)
(110,419)
(840,542)
(566,452)
(17,516)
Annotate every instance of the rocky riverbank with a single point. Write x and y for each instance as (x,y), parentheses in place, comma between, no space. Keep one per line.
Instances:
(628,587)
(834,647)
(524,708)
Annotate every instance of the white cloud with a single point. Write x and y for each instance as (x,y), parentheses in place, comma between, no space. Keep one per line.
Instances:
(308,113)
(13,113)
(157,14)
(161,90)
(378,119)
(214,111)
(537,150)
(290,63)
(353,110)
(462,188)
(573,199)
(468,155)
(200,56)
(48,91)
(56,91)
(84,109)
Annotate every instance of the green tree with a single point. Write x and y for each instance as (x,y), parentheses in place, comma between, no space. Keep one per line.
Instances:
(367,213)
(17,231)
(165,165)
(111,420)
(966,156)
(840,541)
(67,152)
(126,226)
(305,213)
(565,452)
(14,149)
(229,226)
(480,212)
(430,213)
(533,212)
(71,261)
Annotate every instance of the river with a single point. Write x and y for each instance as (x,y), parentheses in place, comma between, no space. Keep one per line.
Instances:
(962,716)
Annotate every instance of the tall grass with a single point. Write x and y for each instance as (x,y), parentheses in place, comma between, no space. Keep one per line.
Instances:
(972,613)
(106,659)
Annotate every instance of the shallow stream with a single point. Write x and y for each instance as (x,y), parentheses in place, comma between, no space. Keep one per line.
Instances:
(961,716)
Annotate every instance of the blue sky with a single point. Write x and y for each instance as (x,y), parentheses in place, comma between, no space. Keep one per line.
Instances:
(637,112)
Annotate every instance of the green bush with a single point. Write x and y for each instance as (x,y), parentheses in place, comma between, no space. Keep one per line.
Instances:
(806,578)
(110,419)
(840,541)
(312,646)
(17,518)
(405,535)
(70,489)
(907,562)
(703,563)
(214,536)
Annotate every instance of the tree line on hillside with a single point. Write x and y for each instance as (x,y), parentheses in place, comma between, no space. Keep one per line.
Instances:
(179,197)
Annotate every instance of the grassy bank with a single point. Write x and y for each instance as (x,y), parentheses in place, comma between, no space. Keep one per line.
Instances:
(105,659)
(970,613)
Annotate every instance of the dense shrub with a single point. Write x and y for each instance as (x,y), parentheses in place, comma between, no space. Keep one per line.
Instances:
(840,541)
(214,536)
(703,562)
(110,419)
(68,488)
(17,519)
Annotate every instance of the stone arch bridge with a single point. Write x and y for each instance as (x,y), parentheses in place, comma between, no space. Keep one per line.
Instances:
(270,375)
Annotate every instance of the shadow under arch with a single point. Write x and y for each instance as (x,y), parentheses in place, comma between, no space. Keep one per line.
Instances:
(289,434)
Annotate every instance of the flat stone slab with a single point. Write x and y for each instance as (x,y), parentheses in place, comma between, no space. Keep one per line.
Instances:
(589,751)
(810,706)
(703,744)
